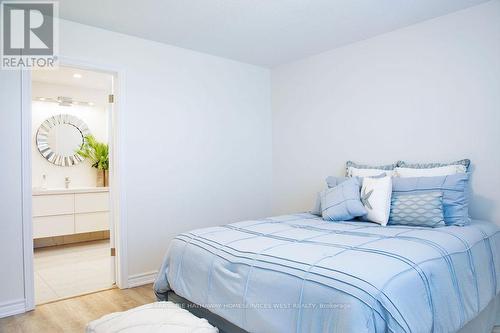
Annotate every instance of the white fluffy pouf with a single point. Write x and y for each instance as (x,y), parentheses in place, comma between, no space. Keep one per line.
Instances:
(152,318)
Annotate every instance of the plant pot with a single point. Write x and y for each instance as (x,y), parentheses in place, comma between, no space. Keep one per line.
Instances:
(102,178)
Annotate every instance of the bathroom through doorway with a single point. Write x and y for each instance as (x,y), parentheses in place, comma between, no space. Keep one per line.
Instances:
(72,220)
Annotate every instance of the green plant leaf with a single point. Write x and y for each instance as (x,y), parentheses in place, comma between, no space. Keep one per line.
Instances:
(95,151)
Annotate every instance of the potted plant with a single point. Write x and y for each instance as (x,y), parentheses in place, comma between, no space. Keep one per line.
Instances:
(97,153)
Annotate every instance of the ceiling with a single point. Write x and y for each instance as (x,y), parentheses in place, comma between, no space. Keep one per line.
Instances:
(261,32)
(65,76)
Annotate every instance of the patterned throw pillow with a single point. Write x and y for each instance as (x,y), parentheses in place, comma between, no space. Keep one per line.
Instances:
(465,163)
(420,209)
(376,198)
(342,202)
(453,187)
(363,170)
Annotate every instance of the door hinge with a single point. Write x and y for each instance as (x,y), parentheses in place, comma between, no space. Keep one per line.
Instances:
(113,252)
(111,98)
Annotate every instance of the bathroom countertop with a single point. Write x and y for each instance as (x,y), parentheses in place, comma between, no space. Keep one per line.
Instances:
(39,191)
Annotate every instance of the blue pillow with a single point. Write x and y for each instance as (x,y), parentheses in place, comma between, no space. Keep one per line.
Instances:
(417,209)
(453,187)
(316,210)
(366,166)
(403,164)
(342,202)
(332,181)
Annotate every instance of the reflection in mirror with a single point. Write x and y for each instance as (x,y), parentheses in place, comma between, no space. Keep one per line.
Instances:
(65,139)
(59,137)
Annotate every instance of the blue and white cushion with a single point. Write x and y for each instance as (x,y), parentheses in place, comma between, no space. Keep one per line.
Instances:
(364,170)
(376,198)
(461,164)
(332,181)
(342,202)
(453,187)
(417,209)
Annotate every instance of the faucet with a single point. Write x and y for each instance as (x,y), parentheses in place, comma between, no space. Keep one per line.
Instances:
(66,182)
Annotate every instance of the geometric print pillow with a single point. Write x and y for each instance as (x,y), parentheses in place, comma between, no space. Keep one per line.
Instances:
(455,194)
(417,209)
(465,163)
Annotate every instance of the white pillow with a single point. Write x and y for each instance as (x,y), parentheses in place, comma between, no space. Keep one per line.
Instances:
(430,172)
(358,172)
(376,197)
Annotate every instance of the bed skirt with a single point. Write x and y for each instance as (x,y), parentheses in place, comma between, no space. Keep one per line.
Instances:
(486,319)
(222,324)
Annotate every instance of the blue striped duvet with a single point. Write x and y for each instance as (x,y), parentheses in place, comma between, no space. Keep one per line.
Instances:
(298,273)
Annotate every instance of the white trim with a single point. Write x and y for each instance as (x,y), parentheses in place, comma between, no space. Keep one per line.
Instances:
(12,308)
(26,190)
(119,204)
(142,279)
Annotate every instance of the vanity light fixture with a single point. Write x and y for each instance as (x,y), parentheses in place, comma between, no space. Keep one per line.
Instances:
(63,101)
(77,76)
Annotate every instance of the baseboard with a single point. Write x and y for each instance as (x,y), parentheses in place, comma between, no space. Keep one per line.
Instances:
(12,308)
(142,279)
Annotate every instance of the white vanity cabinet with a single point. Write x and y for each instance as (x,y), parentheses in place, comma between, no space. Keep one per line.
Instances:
(70,211)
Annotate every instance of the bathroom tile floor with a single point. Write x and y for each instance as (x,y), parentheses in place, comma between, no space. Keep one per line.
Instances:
(71,270)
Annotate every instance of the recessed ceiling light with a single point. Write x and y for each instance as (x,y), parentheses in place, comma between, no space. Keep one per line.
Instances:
(41,98)
(91,104)
(77,76)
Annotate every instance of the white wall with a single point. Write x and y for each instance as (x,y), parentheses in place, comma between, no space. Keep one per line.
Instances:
(197,137)
(96,118)
(429,92)
(11,255)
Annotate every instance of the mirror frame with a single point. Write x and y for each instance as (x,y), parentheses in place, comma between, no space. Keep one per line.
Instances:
(42,142)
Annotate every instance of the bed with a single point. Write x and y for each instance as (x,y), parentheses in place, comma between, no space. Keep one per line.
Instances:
(299,273)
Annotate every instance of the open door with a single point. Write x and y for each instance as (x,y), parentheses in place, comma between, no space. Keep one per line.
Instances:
(112,183)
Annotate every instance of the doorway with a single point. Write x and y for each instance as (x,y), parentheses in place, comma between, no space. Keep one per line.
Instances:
(70,233)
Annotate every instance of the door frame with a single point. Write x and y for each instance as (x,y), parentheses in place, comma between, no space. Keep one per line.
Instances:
(116,175)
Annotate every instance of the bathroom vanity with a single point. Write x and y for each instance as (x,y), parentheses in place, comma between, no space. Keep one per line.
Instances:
(61,212)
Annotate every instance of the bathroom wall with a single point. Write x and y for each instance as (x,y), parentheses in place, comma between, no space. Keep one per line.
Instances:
(96,118)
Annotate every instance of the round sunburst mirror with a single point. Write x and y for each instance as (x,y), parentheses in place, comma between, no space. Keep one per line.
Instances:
(60,137)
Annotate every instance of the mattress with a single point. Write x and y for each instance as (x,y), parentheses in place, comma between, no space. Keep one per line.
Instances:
(298,273)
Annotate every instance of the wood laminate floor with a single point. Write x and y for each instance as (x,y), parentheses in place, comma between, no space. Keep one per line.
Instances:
(71,315)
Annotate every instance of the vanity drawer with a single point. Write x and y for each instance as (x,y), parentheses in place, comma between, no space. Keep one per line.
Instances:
(57,204)
(88,222)
(57,225)
(91,202)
